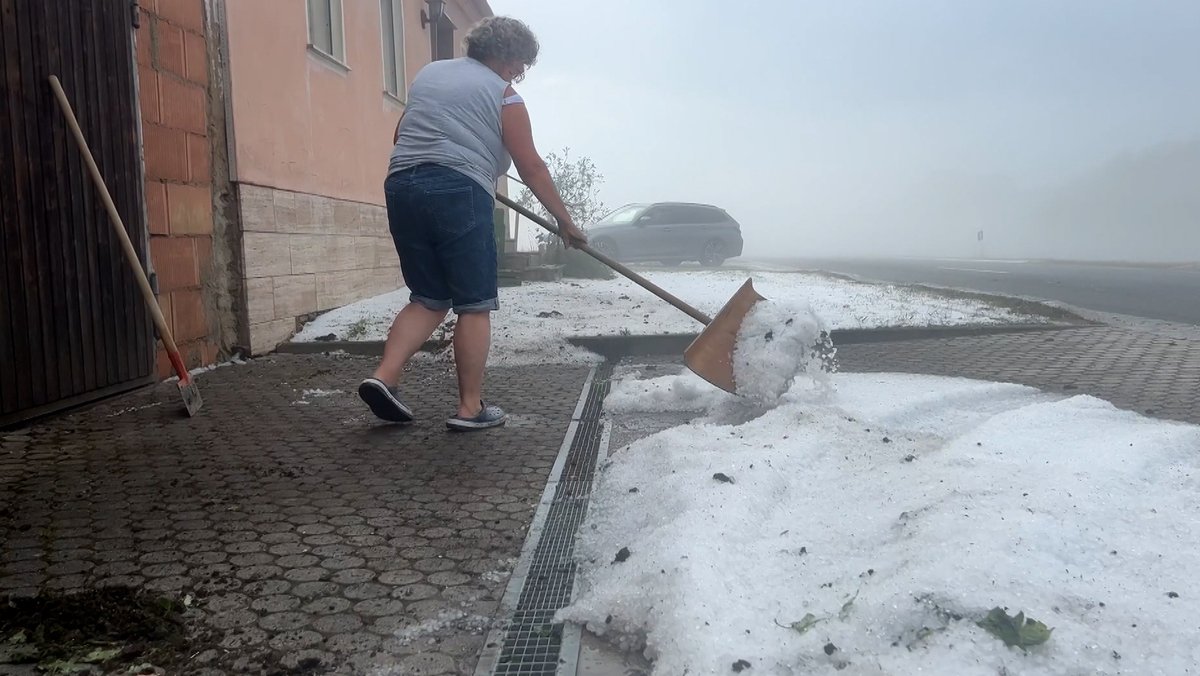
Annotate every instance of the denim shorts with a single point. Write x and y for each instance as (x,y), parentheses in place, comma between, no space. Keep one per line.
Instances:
(442,225)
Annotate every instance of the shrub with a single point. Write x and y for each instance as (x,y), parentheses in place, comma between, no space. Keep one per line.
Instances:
(578,265)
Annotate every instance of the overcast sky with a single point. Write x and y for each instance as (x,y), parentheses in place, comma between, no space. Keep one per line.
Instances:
(847,126)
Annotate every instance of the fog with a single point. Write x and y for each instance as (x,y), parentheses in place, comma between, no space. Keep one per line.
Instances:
(1065,129)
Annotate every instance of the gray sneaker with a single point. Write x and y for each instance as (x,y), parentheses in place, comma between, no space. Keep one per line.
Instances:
(489,416)
(384,401)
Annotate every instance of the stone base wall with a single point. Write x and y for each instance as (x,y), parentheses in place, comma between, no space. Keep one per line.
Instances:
(308,253)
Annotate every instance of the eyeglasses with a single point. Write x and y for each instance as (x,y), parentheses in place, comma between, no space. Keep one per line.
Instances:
(519,75)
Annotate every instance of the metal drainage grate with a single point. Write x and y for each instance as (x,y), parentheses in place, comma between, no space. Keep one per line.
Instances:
(531,642)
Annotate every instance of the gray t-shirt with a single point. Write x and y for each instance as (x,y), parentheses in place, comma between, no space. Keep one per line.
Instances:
(453,119)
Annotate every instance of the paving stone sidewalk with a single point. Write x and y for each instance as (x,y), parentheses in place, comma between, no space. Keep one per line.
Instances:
(1150,373)
(312,539)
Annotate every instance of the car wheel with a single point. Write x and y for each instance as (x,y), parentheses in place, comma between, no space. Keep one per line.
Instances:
(605,246)
(672,262)
(713,253)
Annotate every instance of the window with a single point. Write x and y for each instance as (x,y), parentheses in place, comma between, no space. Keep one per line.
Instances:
(622,216)
(391,17)
(702,214)
(325,32)
(669,214)
(443,39)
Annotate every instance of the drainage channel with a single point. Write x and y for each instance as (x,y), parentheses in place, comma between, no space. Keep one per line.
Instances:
(530,644)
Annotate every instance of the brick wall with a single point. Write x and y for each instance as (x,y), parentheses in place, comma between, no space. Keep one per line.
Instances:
(172,56)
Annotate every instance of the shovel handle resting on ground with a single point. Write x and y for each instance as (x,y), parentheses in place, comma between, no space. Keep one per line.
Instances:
(710,355)
(191,395)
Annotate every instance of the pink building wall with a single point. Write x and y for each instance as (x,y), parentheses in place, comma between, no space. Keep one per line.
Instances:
(310,140)
(305,124)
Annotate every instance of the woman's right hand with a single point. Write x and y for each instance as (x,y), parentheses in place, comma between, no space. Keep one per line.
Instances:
(572,236)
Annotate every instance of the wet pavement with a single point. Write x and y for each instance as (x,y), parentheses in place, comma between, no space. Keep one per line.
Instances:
(306,537)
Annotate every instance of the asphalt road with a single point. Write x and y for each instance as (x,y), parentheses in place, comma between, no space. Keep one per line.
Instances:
(1160,292)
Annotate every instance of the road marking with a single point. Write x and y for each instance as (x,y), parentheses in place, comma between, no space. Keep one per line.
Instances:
(990,272)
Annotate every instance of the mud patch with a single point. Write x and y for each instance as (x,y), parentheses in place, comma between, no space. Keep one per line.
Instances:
(97,631)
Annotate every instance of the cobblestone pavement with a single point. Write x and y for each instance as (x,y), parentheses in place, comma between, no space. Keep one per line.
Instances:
(1149,373)
(308,535)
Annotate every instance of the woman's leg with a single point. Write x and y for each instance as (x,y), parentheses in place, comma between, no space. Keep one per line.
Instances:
(429,297)
(472,340)
(411,328)
(464,237)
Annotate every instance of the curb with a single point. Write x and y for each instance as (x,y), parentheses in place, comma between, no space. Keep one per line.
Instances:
(616,347)
(368,348)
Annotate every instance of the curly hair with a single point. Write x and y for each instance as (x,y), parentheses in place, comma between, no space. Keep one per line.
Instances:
(502,39)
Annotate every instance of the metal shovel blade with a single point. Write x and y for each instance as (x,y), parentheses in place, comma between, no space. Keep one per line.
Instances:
(710,356)
(192,400)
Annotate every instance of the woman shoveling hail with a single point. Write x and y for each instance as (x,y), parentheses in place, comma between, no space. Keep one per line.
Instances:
(463,127)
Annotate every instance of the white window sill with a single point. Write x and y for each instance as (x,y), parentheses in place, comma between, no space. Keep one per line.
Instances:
(394,99)
(328,59)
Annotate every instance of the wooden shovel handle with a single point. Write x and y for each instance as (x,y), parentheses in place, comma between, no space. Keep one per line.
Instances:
(118,225)
(630,274)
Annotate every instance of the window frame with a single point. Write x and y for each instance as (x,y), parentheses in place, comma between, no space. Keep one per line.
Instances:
(337,32)
(398,62)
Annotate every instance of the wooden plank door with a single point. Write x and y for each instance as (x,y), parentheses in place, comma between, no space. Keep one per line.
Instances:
(72,325)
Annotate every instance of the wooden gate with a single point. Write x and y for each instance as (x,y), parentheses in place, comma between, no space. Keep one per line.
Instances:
(72,325)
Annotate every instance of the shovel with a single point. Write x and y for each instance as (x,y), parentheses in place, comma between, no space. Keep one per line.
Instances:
(710,355)
(187,388)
